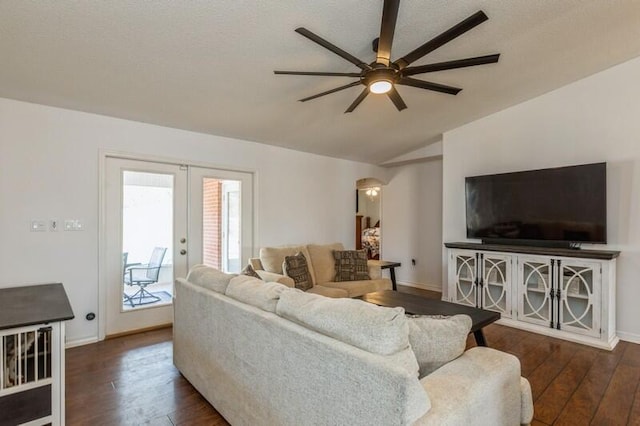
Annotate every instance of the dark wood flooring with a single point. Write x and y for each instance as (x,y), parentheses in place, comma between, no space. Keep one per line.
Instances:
(131,381)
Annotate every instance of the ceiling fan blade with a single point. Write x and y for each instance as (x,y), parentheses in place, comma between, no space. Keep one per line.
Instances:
(387,28)
(359,99)
(329,74)
(406,81)
(453,32)
(337,89)
(449,65)
(335,49)
(396,99)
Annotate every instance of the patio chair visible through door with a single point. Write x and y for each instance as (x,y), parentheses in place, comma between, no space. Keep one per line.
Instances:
(142,276)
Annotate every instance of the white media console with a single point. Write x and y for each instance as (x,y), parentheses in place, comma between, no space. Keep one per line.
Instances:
(564,293)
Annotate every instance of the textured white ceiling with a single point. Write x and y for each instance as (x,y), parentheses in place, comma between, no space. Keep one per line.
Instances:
(207,65)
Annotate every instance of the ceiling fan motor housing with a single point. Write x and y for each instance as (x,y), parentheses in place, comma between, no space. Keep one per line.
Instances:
(379,73)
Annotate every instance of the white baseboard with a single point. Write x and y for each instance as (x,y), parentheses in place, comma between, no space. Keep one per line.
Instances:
(628,337)
(423,286)
(80,342)
(551,332)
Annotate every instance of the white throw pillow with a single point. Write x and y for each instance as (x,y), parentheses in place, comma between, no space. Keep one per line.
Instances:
(255,292)
(437,340)
(209,278)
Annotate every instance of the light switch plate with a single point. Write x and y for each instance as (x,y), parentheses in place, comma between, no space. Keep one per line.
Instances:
(38,225)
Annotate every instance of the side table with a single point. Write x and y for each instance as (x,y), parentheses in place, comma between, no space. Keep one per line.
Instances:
(385,264)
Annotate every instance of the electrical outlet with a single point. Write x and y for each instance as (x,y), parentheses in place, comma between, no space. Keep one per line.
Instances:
(73,225)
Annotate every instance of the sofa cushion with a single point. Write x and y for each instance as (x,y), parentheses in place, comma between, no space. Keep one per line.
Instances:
(322,260)
(209,278)
(436,340)
(375,329)
(358,288)
(328,291)
(351,265)
(255,292)
(250,272)
(296,267)
(272,258)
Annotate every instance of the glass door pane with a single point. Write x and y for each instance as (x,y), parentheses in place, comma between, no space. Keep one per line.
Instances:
(231,229)
(221,223)
(221,218)
(147,239)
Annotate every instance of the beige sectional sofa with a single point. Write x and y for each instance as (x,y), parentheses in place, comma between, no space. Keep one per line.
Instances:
(266,354)
(321,268)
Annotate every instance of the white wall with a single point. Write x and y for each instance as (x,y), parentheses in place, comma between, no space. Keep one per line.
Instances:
(592,120)
(412,222)
(49,161)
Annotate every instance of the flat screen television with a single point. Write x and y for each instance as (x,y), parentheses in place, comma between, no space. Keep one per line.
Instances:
(559,206)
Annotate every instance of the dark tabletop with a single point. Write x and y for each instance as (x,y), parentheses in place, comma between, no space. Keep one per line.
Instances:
(385,264)
(418,305)
(34,304)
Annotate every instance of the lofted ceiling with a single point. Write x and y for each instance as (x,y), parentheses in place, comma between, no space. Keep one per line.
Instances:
(207,66)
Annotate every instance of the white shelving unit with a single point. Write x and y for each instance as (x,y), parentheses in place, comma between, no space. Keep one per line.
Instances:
(32,354)
(564,293)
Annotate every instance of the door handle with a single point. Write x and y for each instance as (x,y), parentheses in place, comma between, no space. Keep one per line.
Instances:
(183,252)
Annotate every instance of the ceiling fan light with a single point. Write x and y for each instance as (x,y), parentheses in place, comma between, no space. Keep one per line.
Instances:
(380,86)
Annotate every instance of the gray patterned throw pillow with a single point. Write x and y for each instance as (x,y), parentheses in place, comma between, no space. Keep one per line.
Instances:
(296,267)
(351,265)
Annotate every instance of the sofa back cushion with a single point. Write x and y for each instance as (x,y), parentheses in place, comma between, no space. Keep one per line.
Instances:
(323,262)
(273,257)
(255,292)
(209,278)
(375,329)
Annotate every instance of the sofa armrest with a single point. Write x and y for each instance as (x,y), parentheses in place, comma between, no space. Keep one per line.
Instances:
(483,384)
(276,278)
(256,263)
(375,272)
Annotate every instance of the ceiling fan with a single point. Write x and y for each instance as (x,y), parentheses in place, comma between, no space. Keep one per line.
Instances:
(382,75)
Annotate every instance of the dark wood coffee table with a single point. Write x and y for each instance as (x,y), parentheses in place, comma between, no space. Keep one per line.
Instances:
(418,305)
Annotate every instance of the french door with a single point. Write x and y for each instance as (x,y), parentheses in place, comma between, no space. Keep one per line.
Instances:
(161,219)
(220,218)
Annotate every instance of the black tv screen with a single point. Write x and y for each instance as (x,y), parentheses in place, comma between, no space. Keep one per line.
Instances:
(567,204)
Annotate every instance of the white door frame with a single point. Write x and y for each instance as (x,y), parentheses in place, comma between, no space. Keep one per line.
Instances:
(102,213)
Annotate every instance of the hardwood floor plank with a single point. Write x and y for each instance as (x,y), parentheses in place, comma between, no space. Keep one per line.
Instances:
(535,422)
(634,415)
(631,355)
(196,411)
(584,402)
(615,406)
(553,399)
(547,371)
